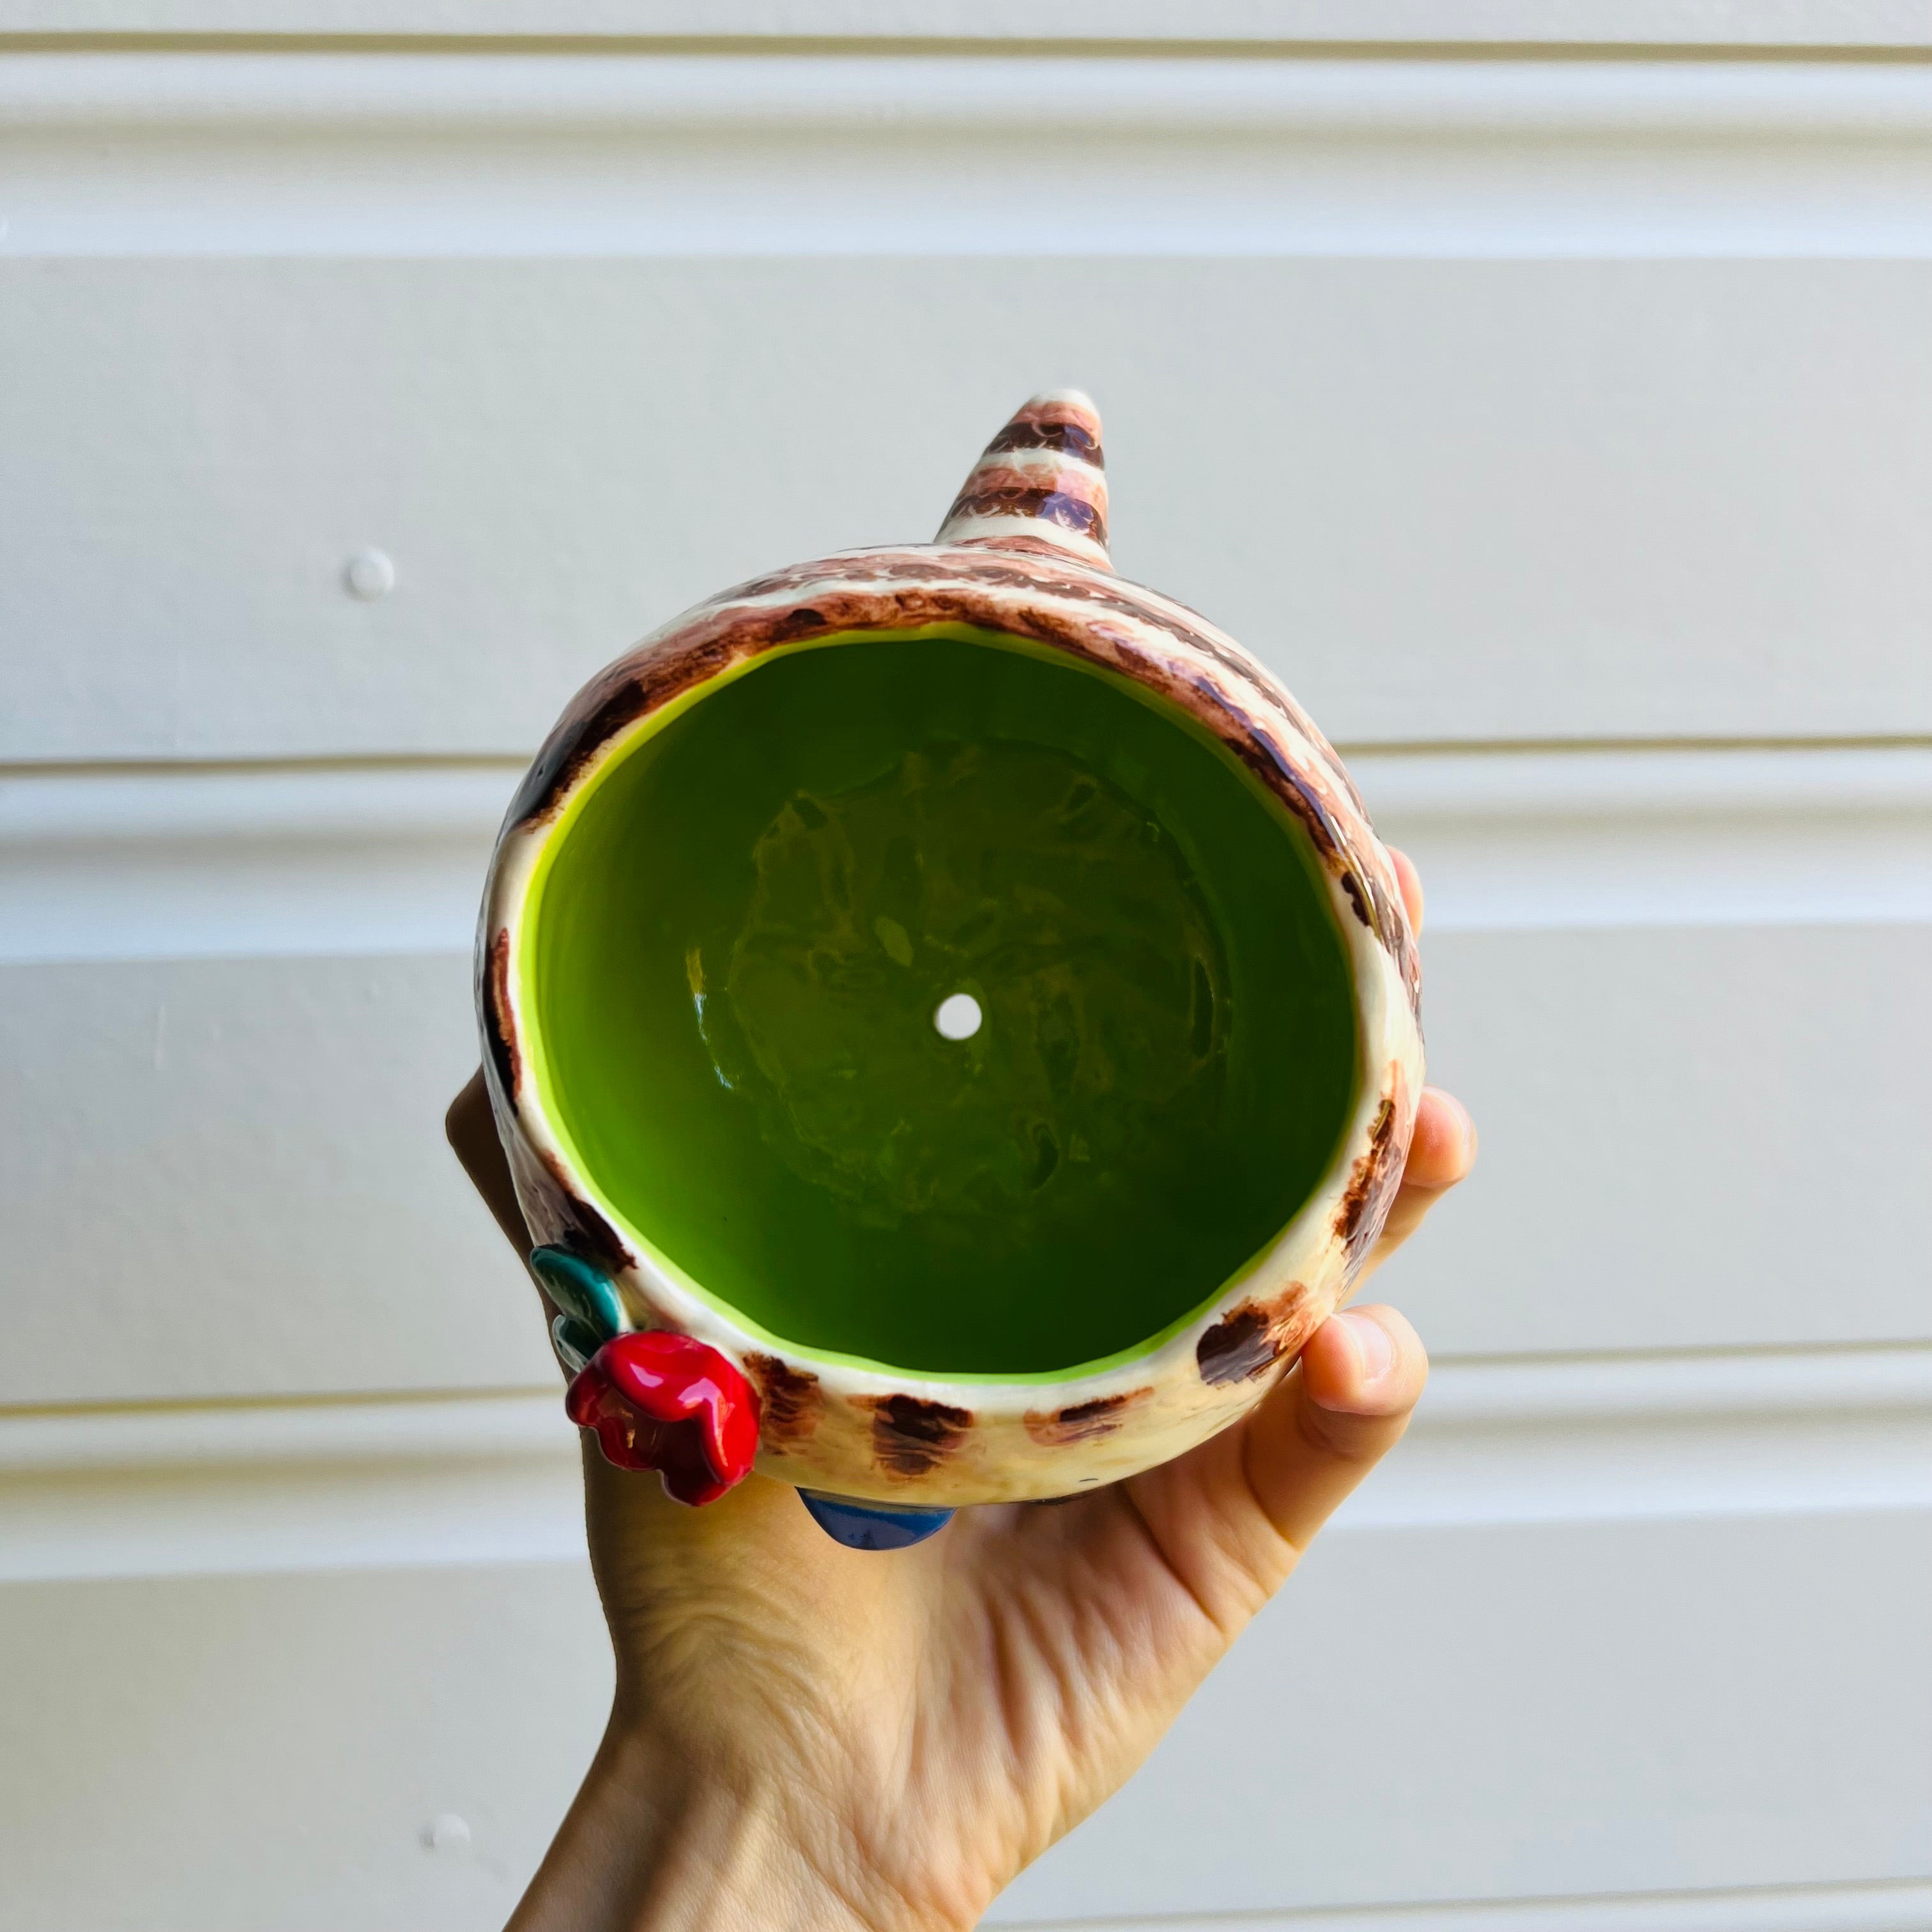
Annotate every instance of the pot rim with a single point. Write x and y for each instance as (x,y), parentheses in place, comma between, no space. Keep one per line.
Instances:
(656,1291)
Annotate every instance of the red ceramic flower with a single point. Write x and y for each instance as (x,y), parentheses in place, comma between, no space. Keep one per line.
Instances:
(663,1402)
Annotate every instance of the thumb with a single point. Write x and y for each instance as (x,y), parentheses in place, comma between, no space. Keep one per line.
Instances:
(1343,1408)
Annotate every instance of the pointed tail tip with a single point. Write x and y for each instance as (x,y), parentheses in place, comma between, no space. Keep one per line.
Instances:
(1077,400)
(1040,484)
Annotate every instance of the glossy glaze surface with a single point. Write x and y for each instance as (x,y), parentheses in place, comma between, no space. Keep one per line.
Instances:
(748,925)
(660,1401)
(757,1023)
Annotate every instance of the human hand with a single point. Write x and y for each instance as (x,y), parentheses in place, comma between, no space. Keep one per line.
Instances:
(804,1736)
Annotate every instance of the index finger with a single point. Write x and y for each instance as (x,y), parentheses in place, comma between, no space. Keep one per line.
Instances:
(1341,1408)
(1410,880)
(471,1130)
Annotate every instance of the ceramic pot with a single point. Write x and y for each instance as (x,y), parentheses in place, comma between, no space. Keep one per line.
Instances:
(953,1027)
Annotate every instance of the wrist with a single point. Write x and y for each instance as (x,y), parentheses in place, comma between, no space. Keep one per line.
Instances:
(654,1843)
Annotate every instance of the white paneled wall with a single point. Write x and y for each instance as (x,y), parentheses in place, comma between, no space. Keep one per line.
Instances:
(1544,389)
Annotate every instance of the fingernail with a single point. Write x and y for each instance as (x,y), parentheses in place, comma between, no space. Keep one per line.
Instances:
(1375,1347)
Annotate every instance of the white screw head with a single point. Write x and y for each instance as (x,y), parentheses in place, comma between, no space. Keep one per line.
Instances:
(958,1016)
(447,1833)
(369,575)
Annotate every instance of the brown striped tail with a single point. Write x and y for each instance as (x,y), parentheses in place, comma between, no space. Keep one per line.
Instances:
(1040,485)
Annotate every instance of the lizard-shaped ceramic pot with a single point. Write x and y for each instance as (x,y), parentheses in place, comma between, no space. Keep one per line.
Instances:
(953,1027)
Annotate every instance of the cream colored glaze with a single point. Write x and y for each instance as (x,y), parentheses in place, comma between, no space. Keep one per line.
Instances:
(1004,564)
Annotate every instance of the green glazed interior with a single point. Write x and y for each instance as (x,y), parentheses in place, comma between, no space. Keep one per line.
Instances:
(737,937)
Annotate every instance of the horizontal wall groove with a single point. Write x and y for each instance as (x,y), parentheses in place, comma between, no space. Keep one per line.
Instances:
(242,1435)
(1522,747)
(450,1478)
(877,93)
(1875,50)
(515,760)
(1712,1383)
(333,859)
(1801,26)
(1462,1393)
(302,764)
(677,154)
(1854,1905)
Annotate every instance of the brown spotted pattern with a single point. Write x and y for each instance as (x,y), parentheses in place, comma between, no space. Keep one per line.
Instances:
(579,1227)
(1251,1338)
(499,1028)
(1025,563)
(911,1436)
(1051,601)
(1238,1345)
(1083,1421)
(1377,1174)
(793,1400)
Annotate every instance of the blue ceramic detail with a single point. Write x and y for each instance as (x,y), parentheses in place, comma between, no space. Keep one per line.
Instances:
(872,1526)
(576,1341)
(584,1292)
